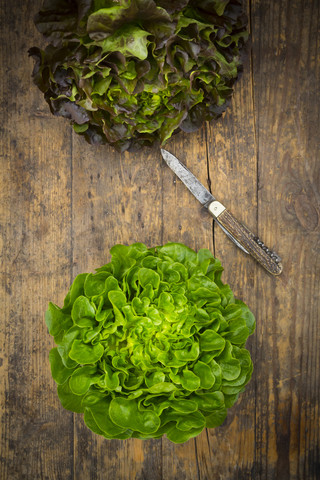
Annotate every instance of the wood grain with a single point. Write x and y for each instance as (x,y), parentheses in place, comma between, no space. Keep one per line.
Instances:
(115,200)
(64,203)
(184,220)
(286,85)
(35,224)
(232,166)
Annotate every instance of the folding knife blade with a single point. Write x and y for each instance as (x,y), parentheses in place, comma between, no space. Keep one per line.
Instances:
(195,187)
(190,181)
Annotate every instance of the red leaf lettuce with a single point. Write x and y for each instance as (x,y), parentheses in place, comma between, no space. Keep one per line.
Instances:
(133,72)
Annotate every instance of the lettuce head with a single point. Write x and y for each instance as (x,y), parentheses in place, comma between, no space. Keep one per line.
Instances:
(151,344)
(134,72)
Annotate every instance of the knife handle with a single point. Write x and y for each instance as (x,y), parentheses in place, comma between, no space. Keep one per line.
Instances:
(244,238)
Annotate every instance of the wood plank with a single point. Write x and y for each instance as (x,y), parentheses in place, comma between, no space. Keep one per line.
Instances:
(116,199)
(186,221)
(286,82)
(35,261)
(232,167)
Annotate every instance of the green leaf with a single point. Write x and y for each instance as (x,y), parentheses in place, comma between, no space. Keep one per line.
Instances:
(184,405)
(170,125)
(176,435)
(101,87)
(237,332)
(66,344)
(190,421)
(247,315)
(125,413)
(155,378)
(103,20)
(110,380)
(75,291)
(59,372)
(188,354)
(230,369)
(80,128)
(57,321)
(121,262)
(69,400)
(147,276)
(163,387)
(178,252)
(95,284)
(209,402)
(189,380)
(101,414)
(81,379)
(216,418)
(129,40)
(82,308)
(117,299)
(205,374)
(106,20)
(83,353)
(210,340)
(92,424)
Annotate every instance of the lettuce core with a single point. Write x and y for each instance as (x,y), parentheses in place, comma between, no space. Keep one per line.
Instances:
(151,344)
(134,72)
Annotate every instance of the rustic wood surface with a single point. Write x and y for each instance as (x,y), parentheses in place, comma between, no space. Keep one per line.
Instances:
(65,203)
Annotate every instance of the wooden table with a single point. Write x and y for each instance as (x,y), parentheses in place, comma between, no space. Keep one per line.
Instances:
(64,203)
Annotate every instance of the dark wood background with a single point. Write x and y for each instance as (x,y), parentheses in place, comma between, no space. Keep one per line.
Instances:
(65,203)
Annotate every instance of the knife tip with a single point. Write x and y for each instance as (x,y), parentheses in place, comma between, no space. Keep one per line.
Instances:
(165,155)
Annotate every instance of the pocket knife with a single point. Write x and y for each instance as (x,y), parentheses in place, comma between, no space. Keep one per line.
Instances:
(236,231)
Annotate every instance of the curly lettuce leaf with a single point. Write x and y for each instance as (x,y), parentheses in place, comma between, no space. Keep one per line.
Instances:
(151,344)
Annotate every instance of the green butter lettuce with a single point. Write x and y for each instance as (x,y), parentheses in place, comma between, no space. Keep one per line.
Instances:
(134,72)
(151,344)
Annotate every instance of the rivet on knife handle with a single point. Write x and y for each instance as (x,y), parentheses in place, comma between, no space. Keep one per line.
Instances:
(242,235)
